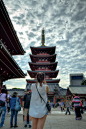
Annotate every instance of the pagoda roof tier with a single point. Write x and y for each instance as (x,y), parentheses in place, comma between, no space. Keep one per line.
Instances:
(41,49)
(8,34)
(48,81)
(8,67)
(52,74)
(51,66)
(50,58)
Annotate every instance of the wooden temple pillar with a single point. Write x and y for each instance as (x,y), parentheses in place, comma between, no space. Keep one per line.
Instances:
(54,99)
(20,100)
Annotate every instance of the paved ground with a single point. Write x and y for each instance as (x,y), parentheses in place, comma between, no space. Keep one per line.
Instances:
(55,120)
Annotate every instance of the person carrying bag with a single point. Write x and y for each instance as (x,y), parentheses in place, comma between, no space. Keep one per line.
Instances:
(15,107)
(38,107)
(18,106)
(4,95)
(47,104)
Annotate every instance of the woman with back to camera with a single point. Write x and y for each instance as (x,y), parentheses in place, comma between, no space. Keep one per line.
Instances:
(38,109)
(13,111)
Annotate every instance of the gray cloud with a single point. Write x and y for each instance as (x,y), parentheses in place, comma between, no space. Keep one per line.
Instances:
(65,27)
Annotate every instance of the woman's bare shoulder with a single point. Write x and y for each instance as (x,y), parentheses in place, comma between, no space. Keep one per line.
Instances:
(47,88)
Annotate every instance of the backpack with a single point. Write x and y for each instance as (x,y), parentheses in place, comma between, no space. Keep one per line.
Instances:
(17,106)
(27,100)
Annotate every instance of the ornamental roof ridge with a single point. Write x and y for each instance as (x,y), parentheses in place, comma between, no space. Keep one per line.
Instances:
(37,63)
(42,55)
(43,47)
(43,71)
(48,81)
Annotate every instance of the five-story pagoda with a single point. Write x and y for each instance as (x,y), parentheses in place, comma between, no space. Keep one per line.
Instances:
(43,60)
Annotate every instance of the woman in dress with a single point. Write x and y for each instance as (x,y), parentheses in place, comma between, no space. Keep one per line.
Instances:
(38,110)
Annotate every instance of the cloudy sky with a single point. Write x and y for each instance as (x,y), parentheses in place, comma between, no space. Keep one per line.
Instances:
(64,22)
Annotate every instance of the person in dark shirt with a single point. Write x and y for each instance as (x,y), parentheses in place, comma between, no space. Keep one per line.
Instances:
(26,105)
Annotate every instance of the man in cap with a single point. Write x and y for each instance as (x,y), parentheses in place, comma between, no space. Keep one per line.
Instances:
(26,104)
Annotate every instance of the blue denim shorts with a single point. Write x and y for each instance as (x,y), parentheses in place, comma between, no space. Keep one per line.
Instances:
(46,113)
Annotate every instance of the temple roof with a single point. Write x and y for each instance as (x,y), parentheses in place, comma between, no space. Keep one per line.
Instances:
(52,74)
(48,81)
(50,58)
(8,34)
(49,50)
(77,89)
(8,67)
(43,47)
(21,92)
(51,86)
(43,55)
(43,63)
(63,92)
(33,66)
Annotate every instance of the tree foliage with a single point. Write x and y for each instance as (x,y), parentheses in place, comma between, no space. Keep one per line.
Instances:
(83,82)
(15,88)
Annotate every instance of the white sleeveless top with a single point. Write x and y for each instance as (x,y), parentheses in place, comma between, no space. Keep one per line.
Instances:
(37,107)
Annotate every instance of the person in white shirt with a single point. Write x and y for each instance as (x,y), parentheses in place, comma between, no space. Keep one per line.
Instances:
(38,110)
(3,96)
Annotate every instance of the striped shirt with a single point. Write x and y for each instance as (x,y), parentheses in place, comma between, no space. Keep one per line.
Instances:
(76,101)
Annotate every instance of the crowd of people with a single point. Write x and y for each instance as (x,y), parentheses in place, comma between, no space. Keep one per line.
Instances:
(34,103)
(74,104)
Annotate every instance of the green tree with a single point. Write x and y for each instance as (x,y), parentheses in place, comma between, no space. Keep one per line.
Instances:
(83,82)
(16,88)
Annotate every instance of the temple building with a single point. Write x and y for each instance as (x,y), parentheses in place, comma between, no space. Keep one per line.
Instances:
(9,46)
(76,86)
(43,60)
(42,57)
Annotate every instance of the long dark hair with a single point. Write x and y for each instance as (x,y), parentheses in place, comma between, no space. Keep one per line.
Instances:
(40,78)
(4,90)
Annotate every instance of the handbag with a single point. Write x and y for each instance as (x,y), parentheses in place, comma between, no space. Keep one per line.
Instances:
(2,103)
(18,106)
(47,104)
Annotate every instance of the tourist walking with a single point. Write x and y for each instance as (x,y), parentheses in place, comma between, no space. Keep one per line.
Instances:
(4,95)
(81,107)
(68,107)
(84,103)
(61,104)
(76,102)
(26,105)
(13,100)
(8,106)
(38,109)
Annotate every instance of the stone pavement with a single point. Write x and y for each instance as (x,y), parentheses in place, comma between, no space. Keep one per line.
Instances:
(55,120)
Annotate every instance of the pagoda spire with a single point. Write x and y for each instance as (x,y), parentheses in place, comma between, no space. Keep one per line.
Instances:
(43,38)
